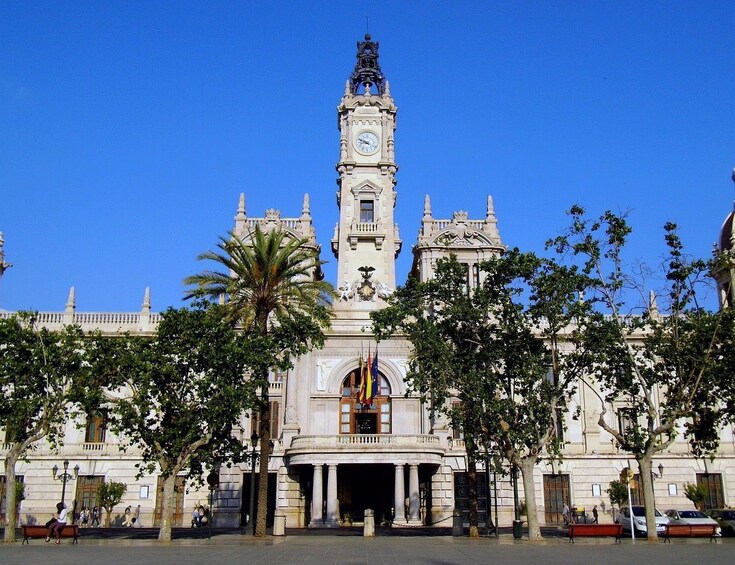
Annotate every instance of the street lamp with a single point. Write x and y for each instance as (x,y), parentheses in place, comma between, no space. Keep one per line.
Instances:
(65,476)
(254,457)
(254,443)
(660,472)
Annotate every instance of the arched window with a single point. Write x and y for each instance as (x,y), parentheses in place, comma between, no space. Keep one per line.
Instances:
(357,418)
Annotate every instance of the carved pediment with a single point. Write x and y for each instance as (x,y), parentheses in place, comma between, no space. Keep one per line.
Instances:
(366,189)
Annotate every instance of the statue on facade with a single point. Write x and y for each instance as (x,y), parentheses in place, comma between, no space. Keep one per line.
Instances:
(346,292)
(3,264)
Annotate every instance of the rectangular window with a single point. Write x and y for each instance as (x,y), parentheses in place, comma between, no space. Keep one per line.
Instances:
(626,420)
(457,428)
(367,211)
(96,428)
(274,420)
(475,275)
(466,285)
(560,424)
(18,479)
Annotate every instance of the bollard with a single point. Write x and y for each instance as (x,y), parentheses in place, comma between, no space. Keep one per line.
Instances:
(457,524)
(369,528)
(279,523)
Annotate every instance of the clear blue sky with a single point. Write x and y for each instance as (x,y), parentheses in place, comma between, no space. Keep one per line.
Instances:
(128,129)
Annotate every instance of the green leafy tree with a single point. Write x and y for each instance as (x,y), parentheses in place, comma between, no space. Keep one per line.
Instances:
(272,288)
(177,395)
(664,366)
(618,493)
(504,349)
(37,371)
(109,495)
(697,494)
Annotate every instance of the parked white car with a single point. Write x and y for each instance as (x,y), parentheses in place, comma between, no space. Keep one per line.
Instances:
(639,520)
(692,517)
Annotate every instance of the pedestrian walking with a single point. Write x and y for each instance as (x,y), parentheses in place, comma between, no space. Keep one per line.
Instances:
(95,516)
(594,514)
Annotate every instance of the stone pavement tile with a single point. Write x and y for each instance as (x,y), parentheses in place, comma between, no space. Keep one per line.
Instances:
(336,550)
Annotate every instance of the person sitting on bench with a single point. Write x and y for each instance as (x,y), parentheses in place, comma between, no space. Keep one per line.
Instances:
(57,523)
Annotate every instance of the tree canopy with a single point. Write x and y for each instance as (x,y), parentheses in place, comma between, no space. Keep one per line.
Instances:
(271,287)
(661,366)
(176,396)
(504,349)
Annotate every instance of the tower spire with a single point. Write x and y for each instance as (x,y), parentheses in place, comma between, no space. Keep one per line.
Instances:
(367,70)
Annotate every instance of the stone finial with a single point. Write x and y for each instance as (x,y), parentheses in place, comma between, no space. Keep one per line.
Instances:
(427,206)
(305,209)
(490,207)
(241,205)
(147,300)
(652,304)
(71,301)
(348,91)
(240,217)
(386,90)
(221,299)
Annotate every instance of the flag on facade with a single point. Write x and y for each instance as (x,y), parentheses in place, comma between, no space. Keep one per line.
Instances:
(361,390)
(368,380)
(376,377)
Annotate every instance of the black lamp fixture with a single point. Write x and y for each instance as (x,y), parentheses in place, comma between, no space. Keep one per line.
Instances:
(64,476)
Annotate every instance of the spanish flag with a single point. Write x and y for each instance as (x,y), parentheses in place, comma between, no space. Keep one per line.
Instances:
(361,391)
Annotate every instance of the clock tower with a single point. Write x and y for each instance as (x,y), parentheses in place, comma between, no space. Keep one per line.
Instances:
(366,241)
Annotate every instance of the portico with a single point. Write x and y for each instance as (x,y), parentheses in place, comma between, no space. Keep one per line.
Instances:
(357,479)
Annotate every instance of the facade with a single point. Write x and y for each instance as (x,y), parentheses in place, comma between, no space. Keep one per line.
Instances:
(334,456)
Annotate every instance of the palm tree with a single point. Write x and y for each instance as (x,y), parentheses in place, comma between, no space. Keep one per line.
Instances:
(271,280)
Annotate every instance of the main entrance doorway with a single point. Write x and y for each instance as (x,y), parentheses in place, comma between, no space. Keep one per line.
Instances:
(365,486)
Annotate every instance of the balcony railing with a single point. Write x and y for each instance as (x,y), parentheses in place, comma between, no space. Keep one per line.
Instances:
(355,440)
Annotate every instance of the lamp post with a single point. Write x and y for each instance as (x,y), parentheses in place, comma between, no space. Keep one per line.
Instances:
(660,472)
(65,476)
(253,455)
(213,482)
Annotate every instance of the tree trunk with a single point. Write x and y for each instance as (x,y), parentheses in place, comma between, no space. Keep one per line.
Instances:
(108,517)
(10,505)
(472,480)
(644,465)
(528,464)
(167,509)
(265,453)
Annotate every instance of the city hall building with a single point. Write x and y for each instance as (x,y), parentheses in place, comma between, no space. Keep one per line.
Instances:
(334,456)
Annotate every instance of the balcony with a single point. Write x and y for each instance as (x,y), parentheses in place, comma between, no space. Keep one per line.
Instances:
(366,448)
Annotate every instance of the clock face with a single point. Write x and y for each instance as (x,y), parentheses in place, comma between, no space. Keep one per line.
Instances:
(367,142)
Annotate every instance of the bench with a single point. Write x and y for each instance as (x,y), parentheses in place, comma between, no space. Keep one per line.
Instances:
(39,531)
(690,531)
(595,530)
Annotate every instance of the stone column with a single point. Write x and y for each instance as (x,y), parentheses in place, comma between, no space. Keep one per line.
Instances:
(316,498)
(399,497)
(332,518)
(414,504)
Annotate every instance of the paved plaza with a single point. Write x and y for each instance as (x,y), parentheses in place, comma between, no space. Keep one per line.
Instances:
(335,548)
